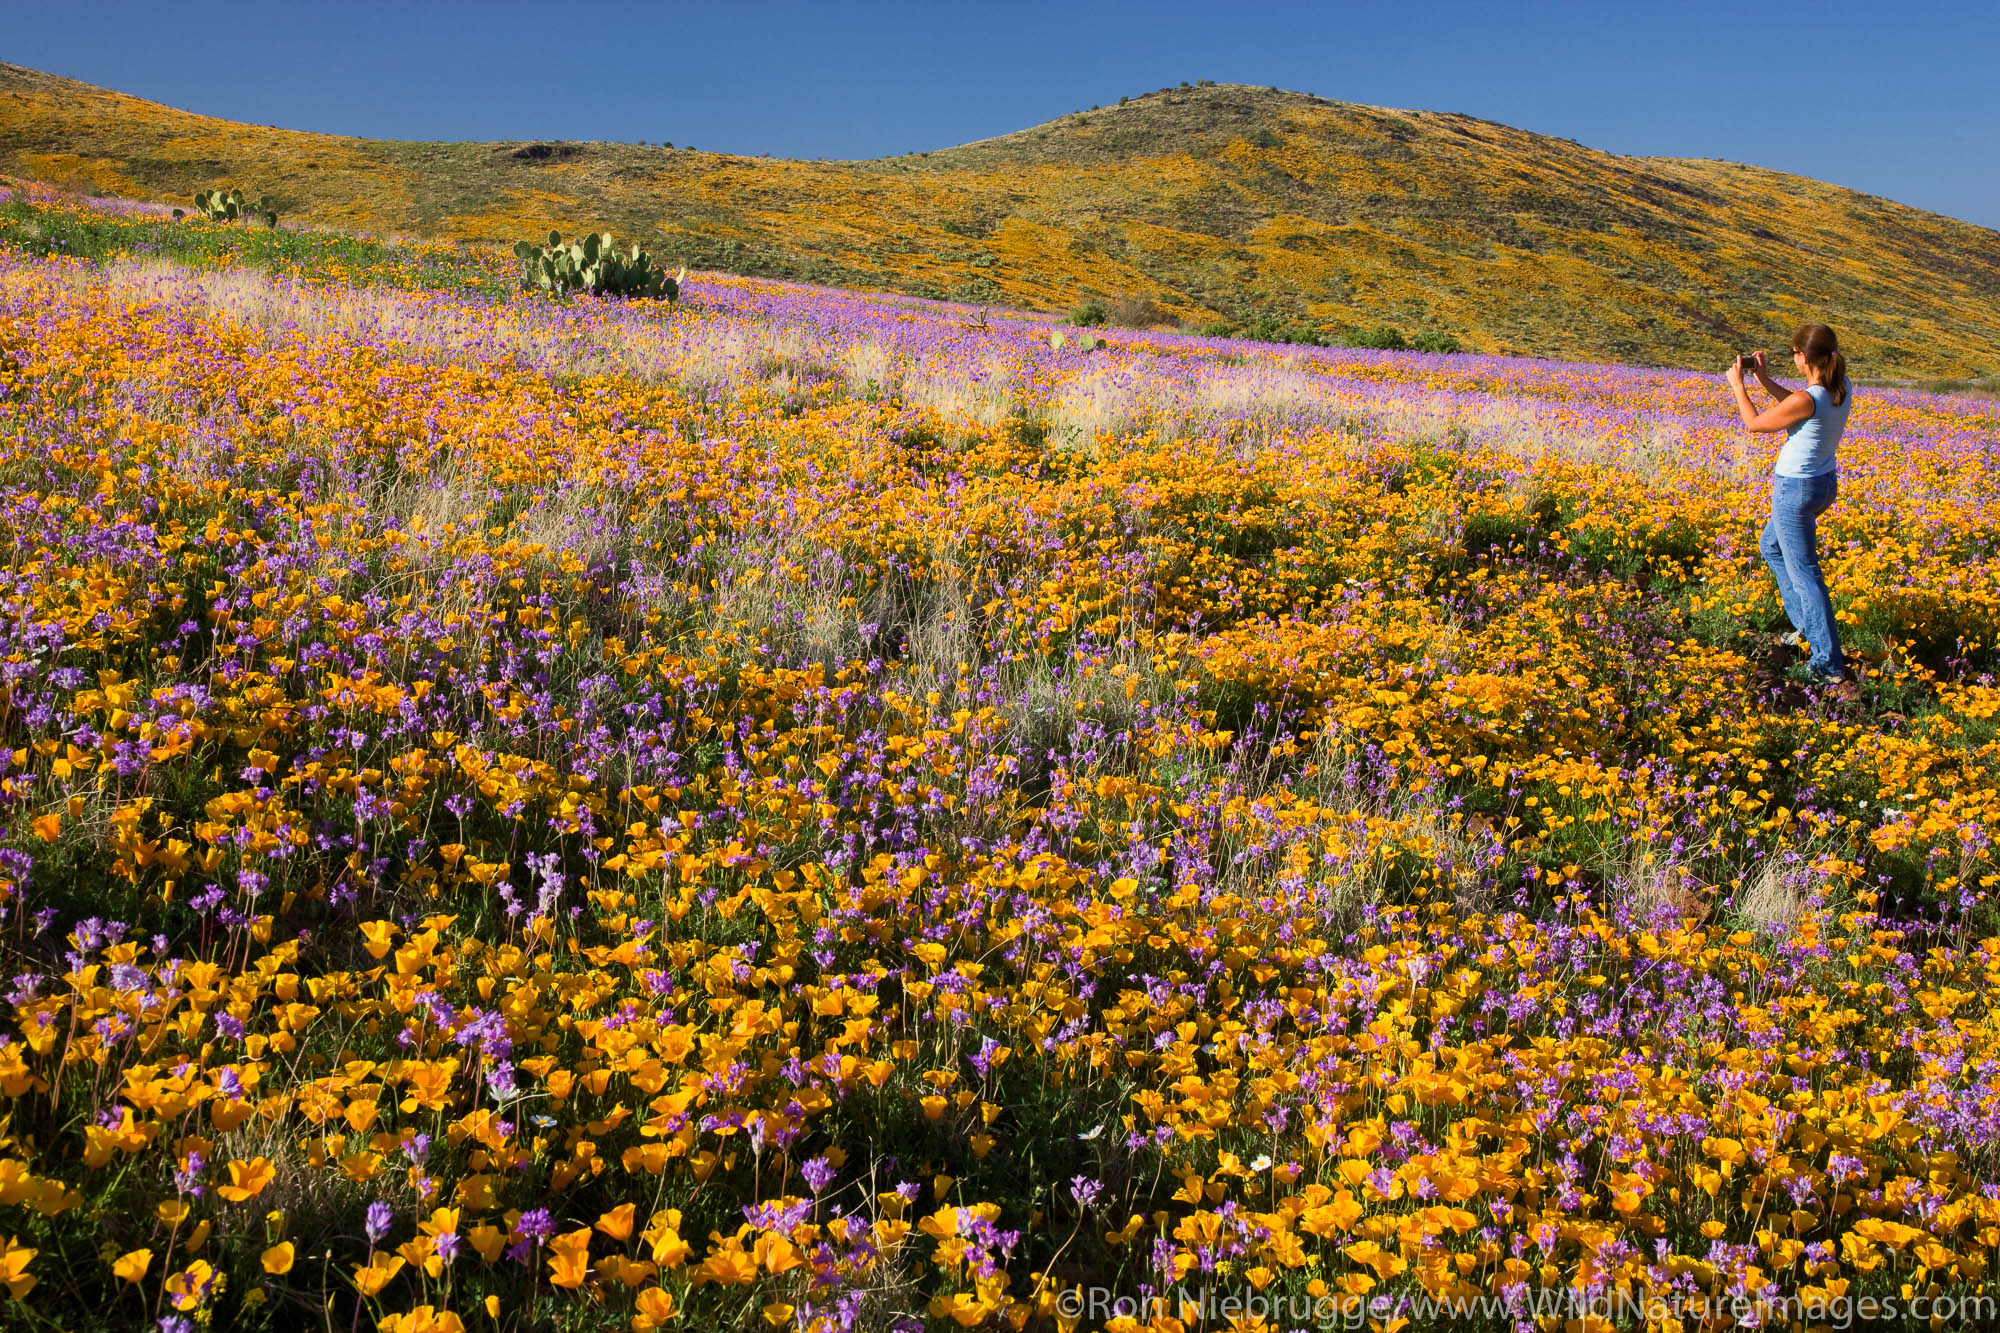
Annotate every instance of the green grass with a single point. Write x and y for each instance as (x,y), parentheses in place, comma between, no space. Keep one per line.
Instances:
(49,230)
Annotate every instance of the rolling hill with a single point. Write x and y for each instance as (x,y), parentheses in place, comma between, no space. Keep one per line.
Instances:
(1213,203)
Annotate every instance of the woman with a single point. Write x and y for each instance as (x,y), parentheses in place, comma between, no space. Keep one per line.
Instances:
(1804,484)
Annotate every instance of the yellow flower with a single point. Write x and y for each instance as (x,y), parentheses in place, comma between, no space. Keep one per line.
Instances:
(441,1221)
(731,1267)
(655,1308)
(132,1267)
(14,1261)
(277,1259)
(569,1258)
(423,1319)
(191,1286)
(248,1179)
(489,1241)
(370,1278)
(776,1254)
(617,1224)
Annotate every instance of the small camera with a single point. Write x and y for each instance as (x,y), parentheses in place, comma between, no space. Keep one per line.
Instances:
(1749,358)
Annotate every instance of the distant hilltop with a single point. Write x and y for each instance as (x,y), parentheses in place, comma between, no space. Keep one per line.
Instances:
(1207,206)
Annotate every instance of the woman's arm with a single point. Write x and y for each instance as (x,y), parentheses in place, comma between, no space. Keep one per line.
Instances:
(1795,408)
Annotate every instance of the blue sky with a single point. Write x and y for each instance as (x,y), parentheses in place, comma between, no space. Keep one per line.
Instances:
(1897,102)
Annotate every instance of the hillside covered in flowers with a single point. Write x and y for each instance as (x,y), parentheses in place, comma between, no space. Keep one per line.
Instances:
(813,811)
(1214,204)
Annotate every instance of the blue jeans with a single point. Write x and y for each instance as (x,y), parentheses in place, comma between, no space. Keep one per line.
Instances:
(1790,545)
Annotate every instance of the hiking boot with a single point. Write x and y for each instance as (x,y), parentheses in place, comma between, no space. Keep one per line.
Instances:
(1837,683)
(1792,639)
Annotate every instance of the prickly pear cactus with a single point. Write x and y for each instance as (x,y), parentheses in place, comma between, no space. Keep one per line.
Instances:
(219,205)
(595,265)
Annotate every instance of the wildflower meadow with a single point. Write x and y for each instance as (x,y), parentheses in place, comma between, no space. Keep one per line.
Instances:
(795,809)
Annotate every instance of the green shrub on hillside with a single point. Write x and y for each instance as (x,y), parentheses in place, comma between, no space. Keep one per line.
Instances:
(1271,327)
(1274,327)
(1268,327)
(1382,338)
(1089,315)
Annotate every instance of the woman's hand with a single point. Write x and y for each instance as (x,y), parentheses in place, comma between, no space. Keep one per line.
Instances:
(1781,415)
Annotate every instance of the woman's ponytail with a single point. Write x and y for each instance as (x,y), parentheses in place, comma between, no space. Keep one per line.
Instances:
(1817,344)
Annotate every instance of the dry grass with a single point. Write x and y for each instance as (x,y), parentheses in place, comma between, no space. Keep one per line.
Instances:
(1657,888)
(435,507)
(1135,310)
(316,1202)
(1775,897)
